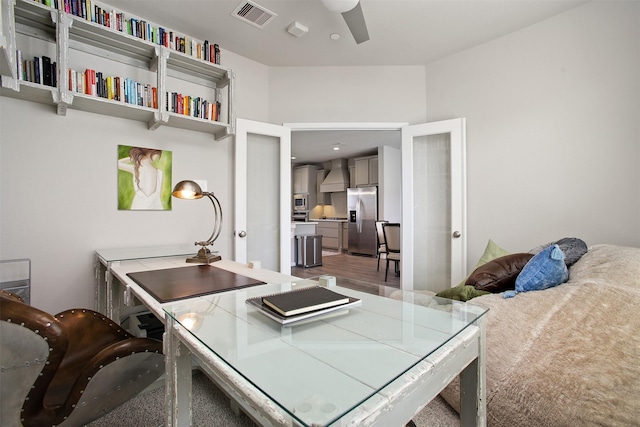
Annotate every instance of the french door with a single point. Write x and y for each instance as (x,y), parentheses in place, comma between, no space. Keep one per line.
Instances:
(263,195)
(433,176)
(434,238)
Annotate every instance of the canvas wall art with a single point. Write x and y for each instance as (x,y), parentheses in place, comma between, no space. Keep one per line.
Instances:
(144,178)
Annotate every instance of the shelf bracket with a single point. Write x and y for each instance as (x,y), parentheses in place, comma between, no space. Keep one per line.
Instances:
(61,109)
(65,97)
(8,66)
(10,83)
(159,118)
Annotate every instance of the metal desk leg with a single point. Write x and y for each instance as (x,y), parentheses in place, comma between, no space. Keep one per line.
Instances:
(473,392)
(177,378)
(100,291)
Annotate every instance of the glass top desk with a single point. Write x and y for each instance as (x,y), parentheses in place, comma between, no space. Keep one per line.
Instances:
(375,364)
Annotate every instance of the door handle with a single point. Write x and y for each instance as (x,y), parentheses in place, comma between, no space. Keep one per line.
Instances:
(456,234)
(242,234)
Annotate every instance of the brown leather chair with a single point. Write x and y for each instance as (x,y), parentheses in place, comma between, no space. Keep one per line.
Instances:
(68,369)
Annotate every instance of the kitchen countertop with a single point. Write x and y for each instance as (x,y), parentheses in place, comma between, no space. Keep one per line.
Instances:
(331,220)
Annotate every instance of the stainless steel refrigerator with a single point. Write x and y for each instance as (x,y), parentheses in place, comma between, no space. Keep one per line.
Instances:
(362,207)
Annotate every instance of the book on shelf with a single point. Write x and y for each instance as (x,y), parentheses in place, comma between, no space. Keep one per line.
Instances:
(117,88)
(216,50)
(304,300)
(54,74)
(46,71)
(190,106)
(137,27)
(99,85)
(31,74)
(20,66)
(37,68)
(90,81)
(114,88)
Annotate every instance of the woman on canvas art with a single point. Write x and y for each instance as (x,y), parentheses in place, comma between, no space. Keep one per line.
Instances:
(147,179)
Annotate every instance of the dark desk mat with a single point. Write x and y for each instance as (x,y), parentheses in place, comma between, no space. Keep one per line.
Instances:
(185,282)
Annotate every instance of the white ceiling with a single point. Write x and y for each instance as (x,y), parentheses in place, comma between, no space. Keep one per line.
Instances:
(310,147)
(402,32)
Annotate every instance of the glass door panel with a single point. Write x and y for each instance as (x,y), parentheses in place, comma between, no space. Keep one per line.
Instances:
(263,189)
(433,250)
(432,210)
(262,195)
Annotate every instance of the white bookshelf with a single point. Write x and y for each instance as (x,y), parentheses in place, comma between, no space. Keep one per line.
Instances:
(76,43)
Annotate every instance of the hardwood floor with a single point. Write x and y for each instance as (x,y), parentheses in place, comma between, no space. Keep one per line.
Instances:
(356,267)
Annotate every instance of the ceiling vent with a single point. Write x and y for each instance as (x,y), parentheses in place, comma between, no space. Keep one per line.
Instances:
(253,14)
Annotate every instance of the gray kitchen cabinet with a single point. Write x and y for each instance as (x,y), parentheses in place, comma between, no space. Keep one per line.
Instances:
(345,236)
(331,232)
(323,198)
(304,179)
(366,171)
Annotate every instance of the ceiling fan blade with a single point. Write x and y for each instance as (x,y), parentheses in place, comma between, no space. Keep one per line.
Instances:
(355,21)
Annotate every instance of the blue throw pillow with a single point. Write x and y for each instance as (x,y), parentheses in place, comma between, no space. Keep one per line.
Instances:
(545,270)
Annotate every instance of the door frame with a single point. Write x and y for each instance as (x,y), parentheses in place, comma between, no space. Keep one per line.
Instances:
(345,126)
(457,126)
(327,126)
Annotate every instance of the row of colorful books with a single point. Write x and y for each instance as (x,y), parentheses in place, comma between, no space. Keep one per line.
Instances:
(114,88)
(192,106)
(136,27)
(40,69)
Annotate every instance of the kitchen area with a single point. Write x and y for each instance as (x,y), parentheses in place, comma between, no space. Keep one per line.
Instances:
(335,205)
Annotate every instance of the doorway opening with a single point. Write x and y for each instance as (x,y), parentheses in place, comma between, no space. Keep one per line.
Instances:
(320,145)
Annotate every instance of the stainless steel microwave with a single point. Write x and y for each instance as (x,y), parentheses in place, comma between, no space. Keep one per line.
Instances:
(300,202)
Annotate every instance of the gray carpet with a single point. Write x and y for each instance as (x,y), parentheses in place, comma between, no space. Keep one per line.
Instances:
(211,408)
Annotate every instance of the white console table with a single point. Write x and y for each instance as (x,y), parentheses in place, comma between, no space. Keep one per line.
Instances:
(108,298)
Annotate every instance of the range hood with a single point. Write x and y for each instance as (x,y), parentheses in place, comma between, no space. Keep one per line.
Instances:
(338,178)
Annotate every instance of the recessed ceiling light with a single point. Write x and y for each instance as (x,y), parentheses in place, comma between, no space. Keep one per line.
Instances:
(334,36)
(293,157)
(336,148)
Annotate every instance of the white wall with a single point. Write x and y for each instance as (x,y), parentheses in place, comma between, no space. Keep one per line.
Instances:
(59,188)
(553,136)
(553,147)
(346,94)
(552,113)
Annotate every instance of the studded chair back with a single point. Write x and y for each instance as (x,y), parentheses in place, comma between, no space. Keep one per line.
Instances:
(68,369)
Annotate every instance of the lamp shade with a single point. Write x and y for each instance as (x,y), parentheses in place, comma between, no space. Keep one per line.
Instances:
(187,190)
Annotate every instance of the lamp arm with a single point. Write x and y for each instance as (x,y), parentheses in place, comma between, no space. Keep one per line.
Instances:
(217,220)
